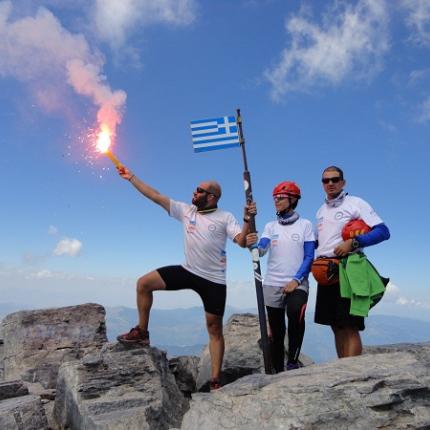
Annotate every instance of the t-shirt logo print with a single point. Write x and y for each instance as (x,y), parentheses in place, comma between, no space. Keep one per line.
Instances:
(212,227)
(295,237)
(338,215)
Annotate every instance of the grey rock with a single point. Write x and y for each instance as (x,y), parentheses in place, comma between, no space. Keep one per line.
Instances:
(122,388)
(1,356)
(388,390)
(185,369)
(243,355)
(37,342)
(22,413)
(10,389)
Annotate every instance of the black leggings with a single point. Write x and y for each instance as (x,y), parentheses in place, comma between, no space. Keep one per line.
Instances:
(295,304)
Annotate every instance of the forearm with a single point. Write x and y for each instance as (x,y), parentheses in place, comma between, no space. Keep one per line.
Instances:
(378,234)
(150,193)
(240,239)
(309,252)
(263,246)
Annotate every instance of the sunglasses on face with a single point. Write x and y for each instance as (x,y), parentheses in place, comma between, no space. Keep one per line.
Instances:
(279,198)
(334,180)
(200,190)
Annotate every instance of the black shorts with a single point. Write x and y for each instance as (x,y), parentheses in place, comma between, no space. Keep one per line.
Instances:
(212,294)
(333,310)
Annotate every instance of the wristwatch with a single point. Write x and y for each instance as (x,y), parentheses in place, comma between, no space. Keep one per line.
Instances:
(355,244)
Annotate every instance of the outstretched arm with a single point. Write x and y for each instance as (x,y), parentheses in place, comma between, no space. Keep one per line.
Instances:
(145,189)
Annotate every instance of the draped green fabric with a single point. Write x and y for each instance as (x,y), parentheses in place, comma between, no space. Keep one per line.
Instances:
(360,282)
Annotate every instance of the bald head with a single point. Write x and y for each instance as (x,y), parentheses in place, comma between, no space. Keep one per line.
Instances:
(214,188)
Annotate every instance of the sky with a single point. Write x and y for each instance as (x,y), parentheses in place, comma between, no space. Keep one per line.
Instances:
(318,83)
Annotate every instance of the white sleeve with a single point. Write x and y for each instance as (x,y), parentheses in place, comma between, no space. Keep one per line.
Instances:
(309,235)
(267,231)
(367,214)
(233,226)
(178,209)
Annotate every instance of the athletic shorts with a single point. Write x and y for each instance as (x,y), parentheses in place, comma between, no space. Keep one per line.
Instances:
(333,310)
(275,297)
(213,295)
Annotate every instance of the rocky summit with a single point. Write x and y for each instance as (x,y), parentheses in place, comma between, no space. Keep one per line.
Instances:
(59,372)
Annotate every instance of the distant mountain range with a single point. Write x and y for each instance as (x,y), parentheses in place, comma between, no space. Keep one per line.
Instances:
(183,331)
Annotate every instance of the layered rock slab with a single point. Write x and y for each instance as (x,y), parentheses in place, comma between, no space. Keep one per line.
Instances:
(243,355)
(19,410)
(37,342)
(381,390)
(119,388)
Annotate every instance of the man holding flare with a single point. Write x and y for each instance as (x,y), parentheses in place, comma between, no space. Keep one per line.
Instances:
(206,229)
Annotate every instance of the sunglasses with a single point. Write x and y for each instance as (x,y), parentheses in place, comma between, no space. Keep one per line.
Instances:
(200,190)
(334,180)
(279,198)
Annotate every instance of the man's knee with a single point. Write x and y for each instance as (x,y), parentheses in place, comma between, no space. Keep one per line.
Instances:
(150,282)
(214,326)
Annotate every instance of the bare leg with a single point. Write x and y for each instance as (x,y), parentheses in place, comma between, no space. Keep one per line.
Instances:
(145,286)
(348,342)
(216,343)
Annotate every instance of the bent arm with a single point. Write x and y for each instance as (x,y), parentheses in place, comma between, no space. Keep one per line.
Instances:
(144,188)
(304,269)
(240,238)
(378,234)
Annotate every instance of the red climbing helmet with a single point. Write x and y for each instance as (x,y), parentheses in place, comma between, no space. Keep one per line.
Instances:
(354,228)
(288,188)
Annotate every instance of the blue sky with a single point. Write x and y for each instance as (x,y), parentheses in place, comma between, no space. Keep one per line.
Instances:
(318,83)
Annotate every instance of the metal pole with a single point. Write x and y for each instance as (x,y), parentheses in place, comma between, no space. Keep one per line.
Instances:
(255,255)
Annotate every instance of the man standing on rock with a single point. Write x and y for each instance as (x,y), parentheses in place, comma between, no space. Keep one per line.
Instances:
(206,229)
(338,209)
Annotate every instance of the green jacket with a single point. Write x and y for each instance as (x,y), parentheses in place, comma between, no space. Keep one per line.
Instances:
(360,282)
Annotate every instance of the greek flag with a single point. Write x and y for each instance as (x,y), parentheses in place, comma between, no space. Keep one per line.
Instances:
(214,133)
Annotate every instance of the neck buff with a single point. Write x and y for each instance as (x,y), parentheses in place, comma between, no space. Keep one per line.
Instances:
(287,218)
(337,201)
(206,211)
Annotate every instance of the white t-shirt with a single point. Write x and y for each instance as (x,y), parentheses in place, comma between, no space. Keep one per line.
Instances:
(286,251)
(330,222)
(205,237)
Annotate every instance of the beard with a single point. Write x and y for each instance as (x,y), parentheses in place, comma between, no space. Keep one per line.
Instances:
(200,202)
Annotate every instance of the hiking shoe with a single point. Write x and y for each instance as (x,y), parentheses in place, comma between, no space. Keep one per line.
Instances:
(293,366)
(136,336)
(214,384)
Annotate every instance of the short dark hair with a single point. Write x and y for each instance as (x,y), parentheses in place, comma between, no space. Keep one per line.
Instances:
(335,169)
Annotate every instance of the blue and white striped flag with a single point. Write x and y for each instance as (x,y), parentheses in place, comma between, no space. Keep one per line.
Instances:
(214,133)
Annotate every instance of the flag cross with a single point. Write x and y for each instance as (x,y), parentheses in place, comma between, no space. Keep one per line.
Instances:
(214,133)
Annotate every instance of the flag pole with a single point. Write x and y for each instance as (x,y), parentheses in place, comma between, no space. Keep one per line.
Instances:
(255,254)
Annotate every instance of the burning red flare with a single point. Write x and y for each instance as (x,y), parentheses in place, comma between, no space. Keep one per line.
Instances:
(104,140)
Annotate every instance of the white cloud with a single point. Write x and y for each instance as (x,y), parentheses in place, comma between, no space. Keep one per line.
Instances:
(425,111)
(349,43)
(66,246)
(418,75)
(116,20)
(52,230)
(394,295)
(41,274)
(418,19)
(46,288)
